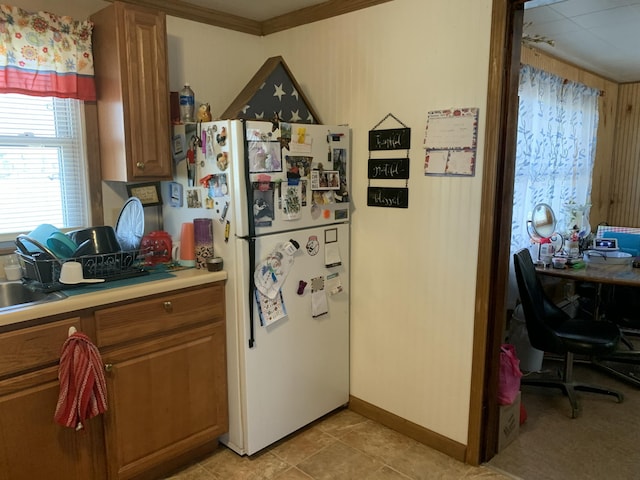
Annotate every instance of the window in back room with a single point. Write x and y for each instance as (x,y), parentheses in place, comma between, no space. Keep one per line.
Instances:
(42,164)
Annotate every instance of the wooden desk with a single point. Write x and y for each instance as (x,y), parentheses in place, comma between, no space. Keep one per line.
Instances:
(598,273)
(602,274)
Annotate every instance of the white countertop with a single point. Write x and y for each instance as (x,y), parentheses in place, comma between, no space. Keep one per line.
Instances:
(182,279)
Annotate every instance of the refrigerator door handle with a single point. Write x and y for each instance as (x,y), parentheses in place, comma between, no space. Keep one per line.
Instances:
(252,232)
(252,287)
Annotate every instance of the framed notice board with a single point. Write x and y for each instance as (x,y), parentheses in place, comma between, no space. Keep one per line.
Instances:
(450,142)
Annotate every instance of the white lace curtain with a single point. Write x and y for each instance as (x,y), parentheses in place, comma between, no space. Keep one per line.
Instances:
(556,141)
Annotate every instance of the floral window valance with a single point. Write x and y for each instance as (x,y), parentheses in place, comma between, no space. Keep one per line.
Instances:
(43,54)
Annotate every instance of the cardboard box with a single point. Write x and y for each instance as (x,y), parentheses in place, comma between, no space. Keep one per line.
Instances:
(509,423)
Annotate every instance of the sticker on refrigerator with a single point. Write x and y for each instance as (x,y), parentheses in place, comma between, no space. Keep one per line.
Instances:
(291,201)
(325,180)
(222,160)
(208,143)
(263,203)
(301,142)
(313,246)
(271,272)
(331,248)
(319,305)
(298,166)
(333,284)
(193,198)
(270,311)
(221,137)
(264,157)
(339,157)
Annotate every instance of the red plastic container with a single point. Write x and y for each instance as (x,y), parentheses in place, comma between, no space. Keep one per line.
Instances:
(156,247)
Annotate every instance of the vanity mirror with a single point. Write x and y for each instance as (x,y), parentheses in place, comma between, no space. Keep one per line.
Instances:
(542,230)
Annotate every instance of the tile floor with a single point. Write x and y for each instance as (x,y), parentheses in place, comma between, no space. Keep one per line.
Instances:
(341,446)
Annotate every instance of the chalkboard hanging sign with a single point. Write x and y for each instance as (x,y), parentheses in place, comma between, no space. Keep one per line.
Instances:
(388,197)
(389,168)
(393,139)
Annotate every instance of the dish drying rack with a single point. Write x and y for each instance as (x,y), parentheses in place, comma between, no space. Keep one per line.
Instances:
(43,272)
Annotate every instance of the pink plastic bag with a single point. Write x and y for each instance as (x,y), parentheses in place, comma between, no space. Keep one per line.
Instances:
(510,374)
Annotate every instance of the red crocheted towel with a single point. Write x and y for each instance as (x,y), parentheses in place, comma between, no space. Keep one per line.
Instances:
(83,390)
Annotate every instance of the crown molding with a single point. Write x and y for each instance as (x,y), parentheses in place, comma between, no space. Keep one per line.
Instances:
(331,8)
(189,11)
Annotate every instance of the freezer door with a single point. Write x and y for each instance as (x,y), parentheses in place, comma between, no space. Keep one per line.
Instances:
(296,176)
(298,368)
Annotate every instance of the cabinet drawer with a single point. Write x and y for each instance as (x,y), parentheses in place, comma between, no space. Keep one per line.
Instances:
(34,346)
(144,318)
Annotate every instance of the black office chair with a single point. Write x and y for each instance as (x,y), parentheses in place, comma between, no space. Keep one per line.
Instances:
(551,330)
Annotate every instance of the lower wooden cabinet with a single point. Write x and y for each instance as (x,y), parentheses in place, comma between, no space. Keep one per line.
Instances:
(166,377)
(32,445)
(165,362)
(167,398)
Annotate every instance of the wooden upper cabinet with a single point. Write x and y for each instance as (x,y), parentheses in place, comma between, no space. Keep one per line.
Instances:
(130,61)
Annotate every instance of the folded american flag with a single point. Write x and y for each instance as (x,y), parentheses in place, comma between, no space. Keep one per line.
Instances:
(83,391)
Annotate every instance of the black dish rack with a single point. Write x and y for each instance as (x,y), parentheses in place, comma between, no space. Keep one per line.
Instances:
(43,272)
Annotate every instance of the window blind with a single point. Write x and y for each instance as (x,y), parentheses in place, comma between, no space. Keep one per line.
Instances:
(42,166)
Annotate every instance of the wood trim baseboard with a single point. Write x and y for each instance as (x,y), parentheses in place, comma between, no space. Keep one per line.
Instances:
(412,430)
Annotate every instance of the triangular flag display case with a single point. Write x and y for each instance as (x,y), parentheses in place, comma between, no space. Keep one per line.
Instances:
(273,91)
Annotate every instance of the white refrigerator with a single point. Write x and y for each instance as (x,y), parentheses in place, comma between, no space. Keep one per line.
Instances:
(268,187)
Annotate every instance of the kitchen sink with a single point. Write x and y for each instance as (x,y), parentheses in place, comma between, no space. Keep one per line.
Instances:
(18,295)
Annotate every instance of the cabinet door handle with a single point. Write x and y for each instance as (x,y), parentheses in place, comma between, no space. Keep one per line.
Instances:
(140,165)
(108,367)
(168,307)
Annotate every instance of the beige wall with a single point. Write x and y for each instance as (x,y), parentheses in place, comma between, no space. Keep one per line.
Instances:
(413,270)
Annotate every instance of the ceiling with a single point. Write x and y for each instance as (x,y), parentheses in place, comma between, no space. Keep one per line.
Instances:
(602,36)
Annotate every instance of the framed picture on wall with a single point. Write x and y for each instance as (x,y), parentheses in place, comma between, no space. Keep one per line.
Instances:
(148,193)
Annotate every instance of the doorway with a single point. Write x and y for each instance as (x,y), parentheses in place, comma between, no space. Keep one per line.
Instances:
(495,221)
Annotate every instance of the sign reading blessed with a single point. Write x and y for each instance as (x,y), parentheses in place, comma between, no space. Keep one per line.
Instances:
(389,168)
(393,139)
(388,197)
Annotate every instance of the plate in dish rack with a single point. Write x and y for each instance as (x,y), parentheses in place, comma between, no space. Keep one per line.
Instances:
(130,224)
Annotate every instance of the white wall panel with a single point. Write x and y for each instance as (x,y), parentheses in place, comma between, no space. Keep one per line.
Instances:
(217,63)
(413,271)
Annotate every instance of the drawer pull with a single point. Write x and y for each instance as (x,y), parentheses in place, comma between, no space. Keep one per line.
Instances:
(140,165)
(168,307)
(108,367)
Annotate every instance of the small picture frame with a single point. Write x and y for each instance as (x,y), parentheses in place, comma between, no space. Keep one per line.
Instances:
(148,193)
(325,180)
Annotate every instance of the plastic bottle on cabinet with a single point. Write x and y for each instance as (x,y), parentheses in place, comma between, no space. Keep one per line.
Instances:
(187,104)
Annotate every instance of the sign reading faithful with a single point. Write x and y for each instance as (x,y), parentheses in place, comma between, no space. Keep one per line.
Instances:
(394,139)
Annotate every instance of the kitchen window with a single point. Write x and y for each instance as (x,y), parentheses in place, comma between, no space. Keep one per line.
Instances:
(42,164)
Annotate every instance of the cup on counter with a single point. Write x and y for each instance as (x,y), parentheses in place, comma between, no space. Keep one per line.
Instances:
(185,250)
(12,268)
(203,240)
